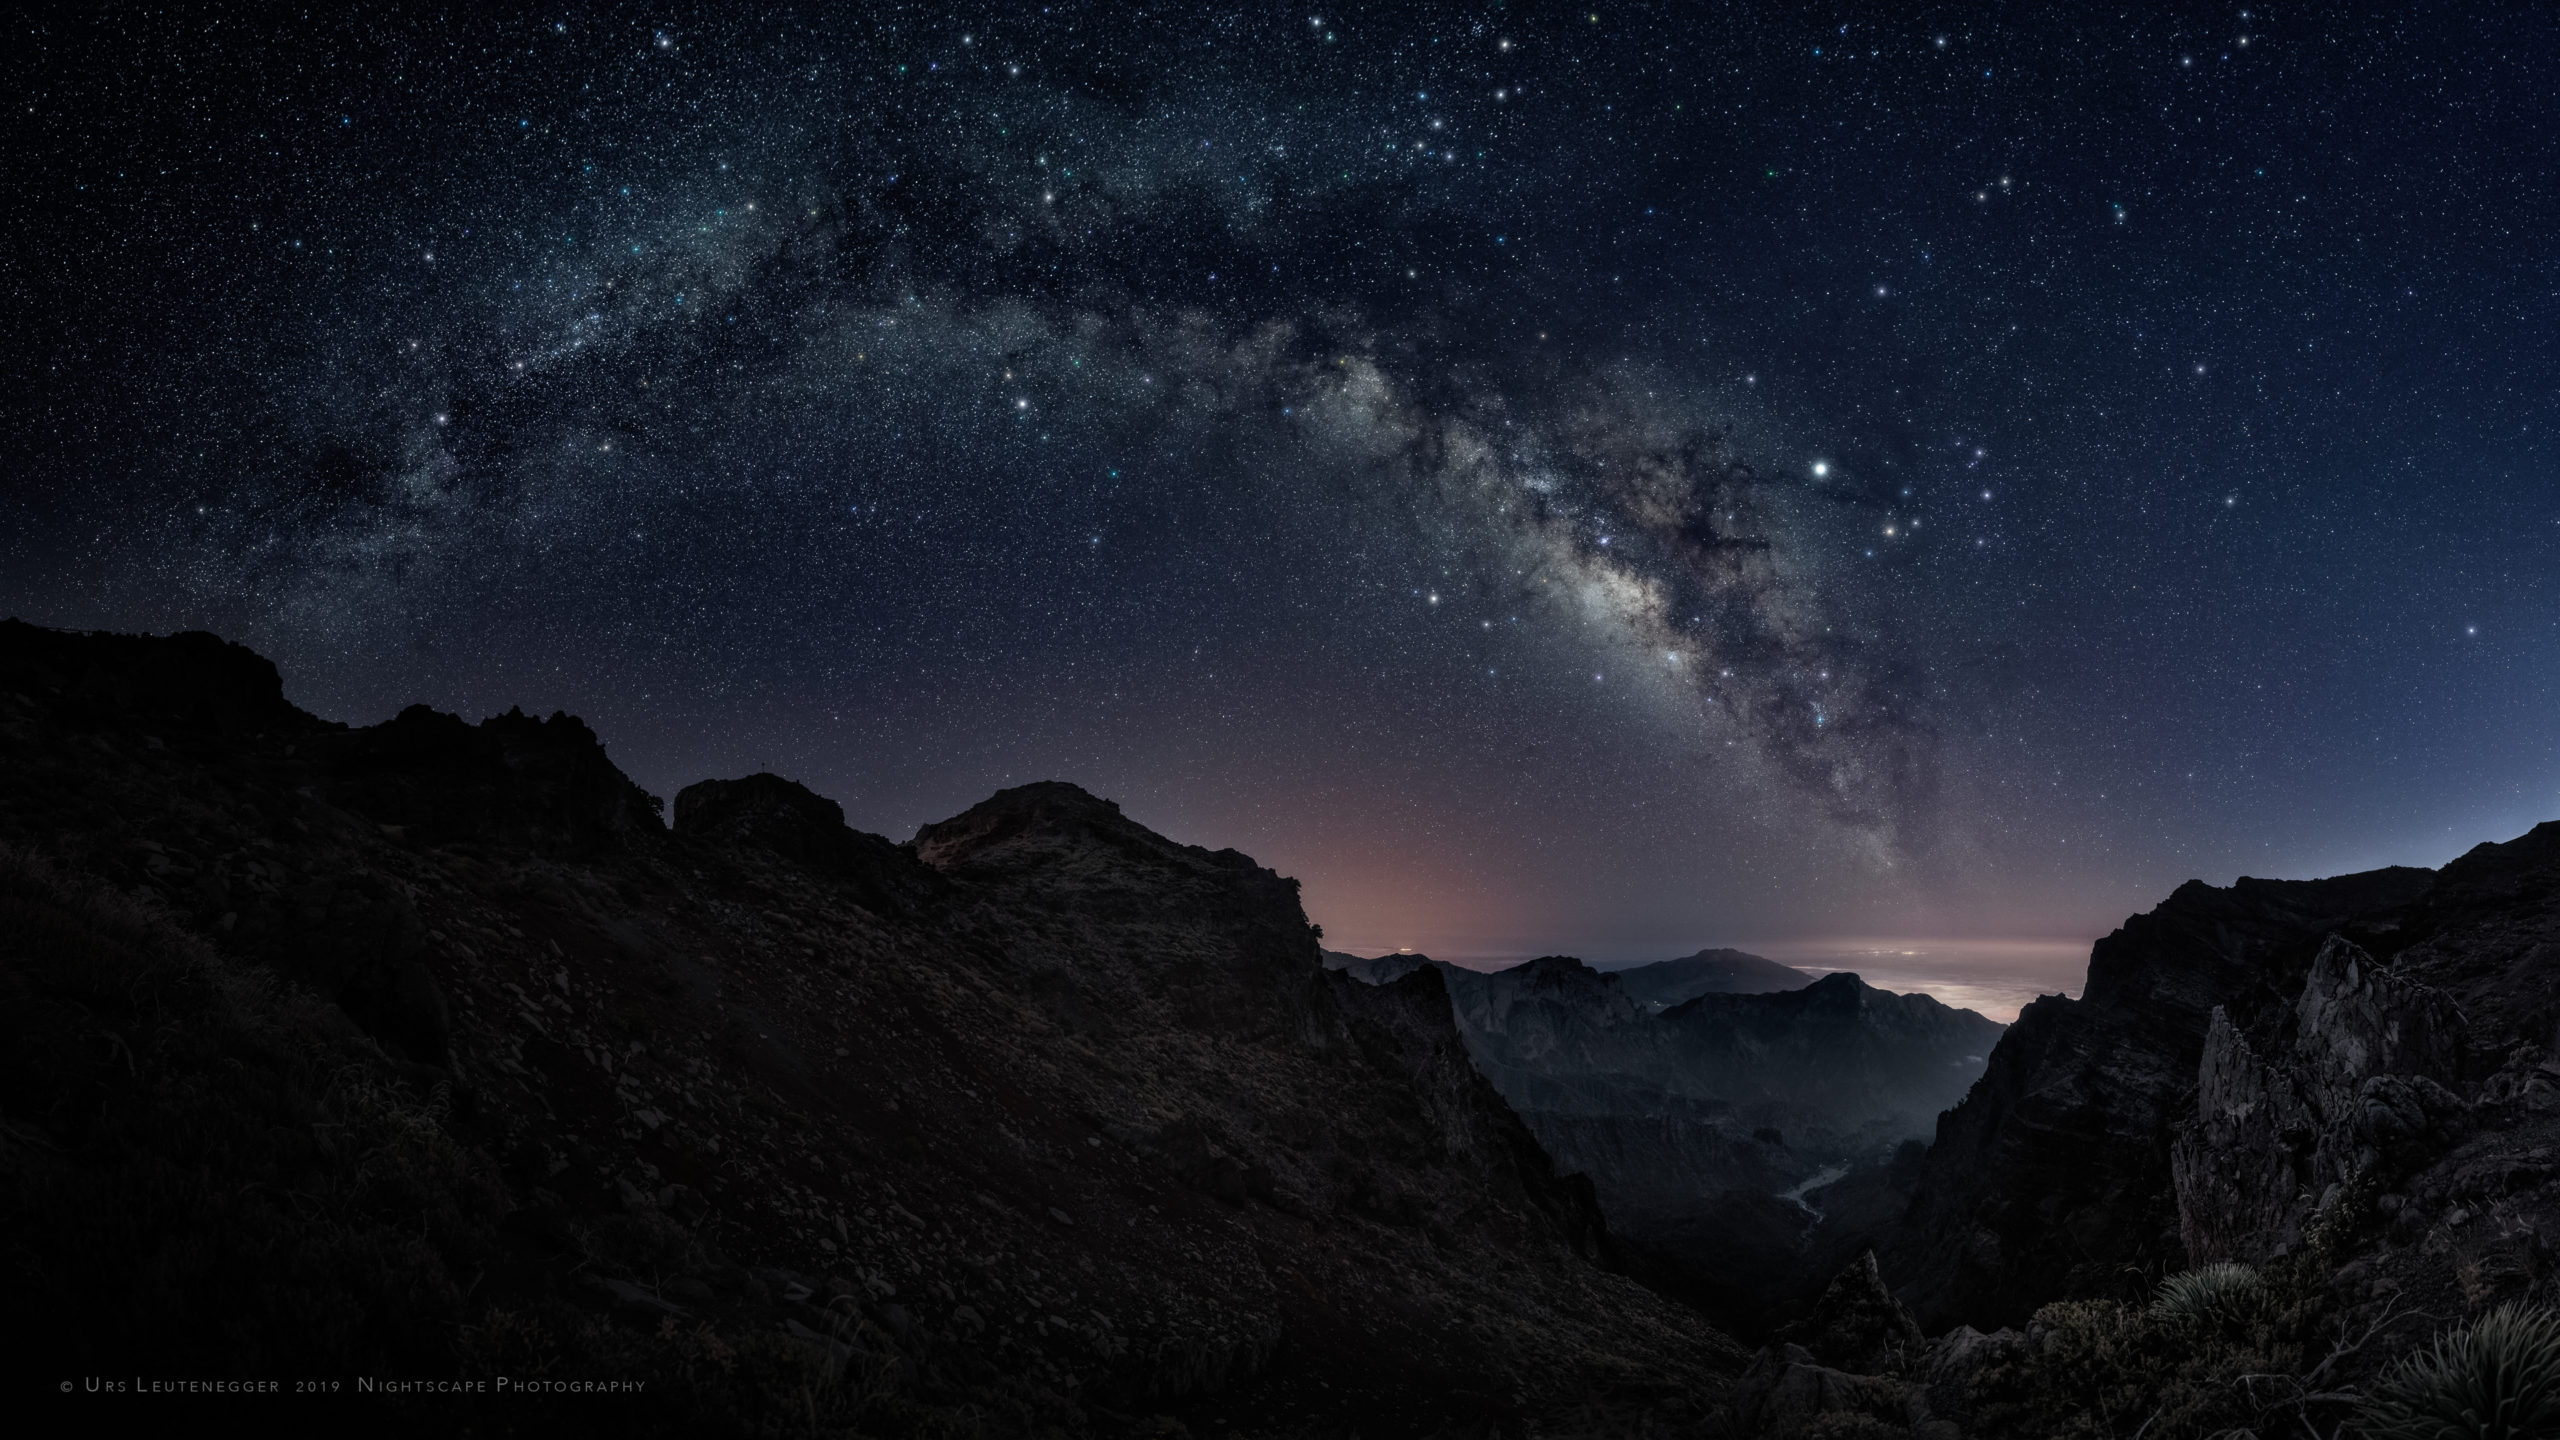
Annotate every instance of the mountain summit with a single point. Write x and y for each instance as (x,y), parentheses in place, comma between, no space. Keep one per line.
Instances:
(1666,983)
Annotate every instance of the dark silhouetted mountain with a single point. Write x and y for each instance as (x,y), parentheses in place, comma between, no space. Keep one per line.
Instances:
(1665,983)
(426,1050)
(1381,970)
(2347,1089)
(2403,1106)
(2052,1177)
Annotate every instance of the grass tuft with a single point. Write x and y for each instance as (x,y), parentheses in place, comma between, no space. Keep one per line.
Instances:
(2204,1293)
(2495,1379)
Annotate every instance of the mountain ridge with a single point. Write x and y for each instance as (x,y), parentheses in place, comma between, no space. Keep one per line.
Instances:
(1695,1121)
(1036,1121)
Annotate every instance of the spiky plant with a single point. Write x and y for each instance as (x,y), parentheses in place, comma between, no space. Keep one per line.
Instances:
(2203,1292)
(2495,1379)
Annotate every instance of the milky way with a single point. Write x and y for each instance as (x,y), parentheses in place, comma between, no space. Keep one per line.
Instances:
(1601,478)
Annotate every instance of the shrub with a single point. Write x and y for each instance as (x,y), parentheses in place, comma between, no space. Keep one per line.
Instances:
(2496,1379)
(2205,1293)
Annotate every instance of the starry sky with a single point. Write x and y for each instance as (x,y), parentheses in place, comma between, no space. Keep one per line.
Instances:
(1610,479)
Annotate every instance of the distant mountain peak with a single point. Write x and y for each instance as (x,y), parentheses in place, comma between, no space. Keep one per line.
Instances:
(1382,970)
(1666,983)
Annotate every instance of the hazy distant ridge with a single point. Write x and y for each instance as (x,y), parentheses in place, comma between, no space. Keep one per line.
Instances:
(1666,983)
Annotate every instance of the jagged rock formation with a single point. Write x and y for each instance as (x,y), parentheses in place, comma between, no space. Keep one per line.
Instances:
(2361,1066)
(2404,1109)
(446,1053)
(1845,1369)
(2053,1177)
(2358,1084)
(1666,983)
(2349,1087)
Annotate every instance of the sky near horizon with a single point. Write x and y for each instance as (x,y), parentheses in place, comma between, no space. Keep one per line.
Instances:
(1606,480)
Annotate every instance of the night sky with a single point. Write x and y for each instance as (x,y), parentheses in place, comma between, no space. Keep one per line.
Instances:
(1612,480)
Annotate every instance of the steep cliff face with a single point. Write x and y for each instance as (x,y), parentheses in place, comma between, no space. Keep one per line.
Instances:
(2358,1077)
(1041,1124)
(2406,1104)
(2351,1088)
(2053,1177)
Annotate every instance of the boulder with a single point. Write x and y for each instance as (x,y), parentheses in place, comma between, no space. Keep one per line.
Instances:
(1857,1325)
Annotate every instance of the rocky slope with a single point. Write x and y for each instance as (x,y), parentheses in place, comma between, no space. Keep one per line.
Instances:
(428,1050)
(2293,1131)
(2052,1178)
(2404,1106)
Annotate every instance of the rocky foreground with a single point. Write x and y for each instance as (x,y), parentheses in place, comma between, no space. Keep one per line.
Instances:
(428,1050)
(2292,1131)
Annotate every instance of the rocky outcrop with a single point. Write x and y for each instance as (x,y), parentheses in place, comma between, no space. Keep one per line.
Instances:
(2360,1069)
(1789,1395)
(185,684)
(1857,1365)
(2053,1176)
(2355,1093)
(767,812)
(1857,1325)
(509,780)
(1042,1124)
(2411,1096)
